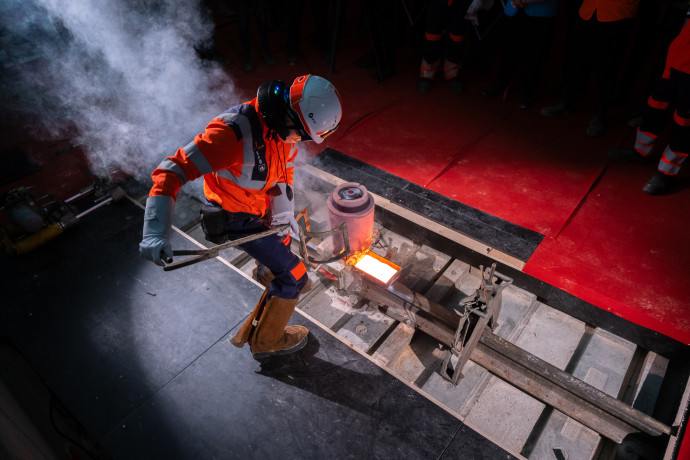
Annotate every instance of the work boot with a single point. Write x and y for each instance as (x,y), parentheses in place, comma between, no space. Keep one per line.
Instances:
(630,155)
(526,98)
(271,336)
(456,85)
(556,110)
(595,128)
(659,184)
(424,85)
(266,332)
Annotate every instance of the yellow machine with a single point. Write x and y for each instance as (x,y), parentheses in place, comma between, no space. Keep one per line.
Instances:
(31,222)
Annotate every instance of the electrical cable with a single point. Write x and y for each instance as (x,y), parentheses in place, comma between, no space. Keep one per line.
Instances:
(7,342)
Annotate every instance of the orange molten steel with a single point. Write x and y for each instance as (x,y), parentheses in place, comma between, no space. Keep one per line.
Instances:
(377,267)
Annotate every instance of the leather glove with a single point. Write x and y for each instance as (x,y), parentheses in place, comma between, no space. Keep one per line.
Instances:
(155,244)
(283,209)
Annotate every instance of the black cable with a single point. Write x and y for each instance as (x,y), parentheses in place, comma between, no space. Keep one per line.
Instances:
(7,342)
(53,408)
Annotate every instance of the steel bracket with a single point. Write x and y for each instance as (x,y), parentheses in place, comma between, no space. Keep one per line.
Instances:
(305,235)
(476,312)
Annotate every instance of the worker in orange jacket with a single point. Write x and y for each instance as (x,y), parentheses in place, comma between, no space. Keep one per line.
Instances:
(672,92)
(246,158)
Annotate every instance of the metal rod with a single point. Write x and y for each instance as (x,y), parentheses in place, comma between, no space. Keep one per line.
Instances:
(575,386)
(87,191)
(216,249)
(397,293)
(422,320)
(560,398)
(93,208)
(210,253)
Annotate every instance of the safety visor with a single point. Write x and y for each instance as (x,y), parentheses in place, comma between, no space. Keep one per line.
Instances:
(296,94)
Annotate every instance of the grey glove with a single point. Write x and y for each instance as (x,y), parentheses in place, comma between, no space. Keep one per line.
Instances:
(283,209)
(155,244)
(475,7)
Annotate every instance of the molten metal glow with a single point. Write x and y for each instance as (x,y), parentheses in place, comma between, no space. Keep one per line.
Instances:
(377,267)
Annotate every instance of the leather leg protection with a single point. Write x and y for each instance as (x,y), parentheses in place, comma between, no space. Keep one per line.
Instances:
(243,333)
(271,336)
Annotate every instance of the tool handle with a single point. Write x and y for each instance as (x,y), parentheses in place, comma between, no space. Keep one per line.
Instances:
(209,253)
(245,239)
(186,262)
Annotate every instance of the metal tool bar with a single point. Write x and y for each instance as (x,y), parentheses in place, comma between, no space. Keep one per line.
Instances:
(575,386)
(85,192)
(422,320)
(93,208)
(545,391)
(210,253)
(399,294)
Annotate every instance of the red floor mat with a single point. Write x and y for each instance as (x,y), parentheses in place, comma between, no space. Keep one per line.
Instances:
(411,135)
(626,252)
(616,248)
(529,170)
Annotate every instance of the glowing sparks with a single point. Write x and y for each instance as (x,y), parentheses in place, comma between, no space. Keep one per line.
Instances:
(377,267)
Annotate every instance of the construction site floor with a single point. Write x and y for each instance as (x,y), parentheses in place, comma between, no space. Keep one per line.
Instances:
(109,356)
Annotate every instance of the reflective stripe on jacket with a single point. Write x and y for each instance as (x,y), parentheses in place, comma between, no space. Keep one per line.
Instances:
(239,158)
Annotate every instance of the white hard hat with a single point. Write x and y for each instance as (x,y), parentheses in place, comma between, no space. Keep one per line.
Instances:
(316,104)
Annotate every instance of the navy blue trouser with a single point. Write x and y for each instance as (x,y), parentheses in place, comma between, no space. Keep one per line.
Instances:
(272,251)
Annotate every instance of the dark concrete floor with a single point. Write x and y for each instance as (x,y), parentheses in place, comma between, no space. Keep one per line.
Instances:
(139,358)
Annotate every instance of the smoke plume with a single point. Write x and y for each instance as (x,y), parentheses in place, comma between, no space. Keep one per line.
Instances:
(123,73)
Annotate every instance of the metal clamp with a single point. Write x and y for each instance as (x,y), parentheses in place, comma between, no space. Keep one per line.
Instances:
(305,235)
(476,313)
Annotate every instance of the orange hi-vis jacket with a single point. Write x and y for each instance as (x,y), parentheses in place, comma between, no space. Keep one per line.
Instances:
(609,10)
(678,56)
(239,157)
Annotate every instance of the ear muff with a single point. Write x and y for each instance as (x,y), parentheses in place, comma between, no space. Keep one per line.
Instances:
(273,103)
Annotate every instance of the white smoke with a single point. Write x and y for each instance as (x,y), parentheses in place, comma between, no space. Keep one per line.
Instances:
(123,73)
